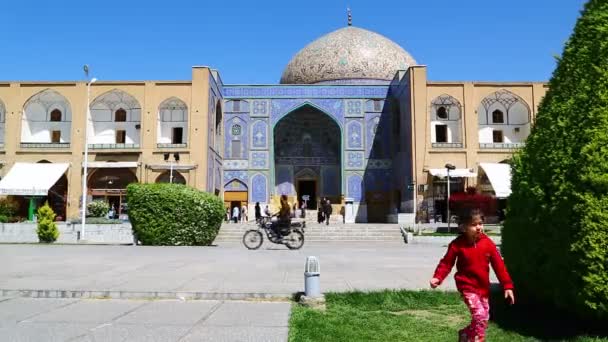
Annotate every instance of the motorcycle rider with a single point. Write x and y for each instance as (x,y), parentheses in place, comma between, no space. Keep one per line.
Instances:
(284,217)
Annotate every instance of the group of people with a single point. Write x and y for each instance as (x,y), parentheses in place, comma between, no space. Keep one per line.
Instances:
(237,214)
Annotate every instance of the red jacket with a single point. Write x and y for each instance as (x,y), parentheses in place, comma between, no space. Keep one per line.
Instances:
(472,265)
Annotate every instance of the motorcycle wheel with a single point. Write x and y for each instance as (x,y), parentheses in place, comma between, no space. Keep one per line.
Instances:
(253,239)
(295,240)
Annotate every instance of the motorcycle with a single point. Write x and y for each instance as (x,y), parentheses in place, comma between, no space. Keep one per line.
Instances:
(292,236)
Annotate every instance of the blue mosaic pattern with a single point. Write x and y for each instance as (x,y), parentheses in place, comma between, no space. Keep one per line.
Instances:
(354,108)
(236,164)
(355,187)
(259,135)
(280,108)
(356,91)
(218,175)
(284,178)
(240,175)
(377,180)
(259,188)
(355,160)
(258,159)
(371,128)
(260,108)
(243,106)
(229,136)
(354,134)
(235,185)
(379,164)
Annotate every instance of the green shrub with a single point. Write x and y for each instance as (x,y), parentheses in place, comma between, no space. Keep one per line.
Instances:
(98,208)
(555,239)
(173,214)
(3,219)
(47,228)
(8,207)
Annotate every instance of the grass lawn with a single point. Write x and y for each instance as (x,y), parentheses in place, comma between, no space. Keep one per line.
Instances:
(421,316)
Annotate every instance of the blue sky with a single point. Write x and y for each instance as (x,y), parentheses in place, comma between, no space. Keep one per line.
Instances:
(252,41)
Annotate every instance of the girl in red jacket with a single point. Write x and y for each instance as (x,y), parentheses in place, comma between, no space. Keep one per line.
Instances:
(473,251)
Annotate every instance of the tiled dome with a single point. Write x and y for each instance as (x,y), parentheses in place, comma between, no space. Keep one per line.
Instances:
(350,53)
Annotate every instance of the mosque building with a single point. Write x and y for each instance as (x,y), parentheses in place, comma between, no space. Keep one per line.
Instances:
(353,119)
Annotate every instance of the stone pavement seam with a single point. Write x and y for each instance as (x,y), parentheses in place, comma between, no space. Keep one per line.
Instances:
(104,324)
(46,311)
(145,295)
(202,320)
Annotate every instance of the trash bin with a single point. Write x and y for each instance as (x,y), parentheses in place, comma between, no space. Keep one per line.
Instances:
(312,271)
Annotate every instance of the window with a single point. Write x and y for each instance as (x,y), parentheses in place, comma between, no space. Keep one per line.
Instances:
(56,115)
(497,136)
(121,136)
(120,115)
(236,149)
(56,136)
(442,113)
(498,117)
(441,133)
(236,106)
(177,136)
(377,105)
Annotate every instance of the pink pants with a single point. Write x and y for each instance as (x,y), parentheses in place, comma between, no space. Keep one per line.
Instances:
(480,314)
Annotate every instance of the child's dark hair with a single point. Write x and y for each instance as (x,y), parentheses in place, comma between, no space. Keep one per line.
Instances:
(467,214)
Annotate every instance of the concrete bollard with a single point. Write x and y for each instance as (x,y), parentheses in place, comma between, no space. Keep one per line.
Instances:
(312,272)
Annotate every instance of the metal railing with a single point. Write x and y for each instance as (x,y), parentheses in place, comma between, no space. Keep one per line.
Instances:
(44,145)
(508,146)
(165,145)
(447,145)
(113,146)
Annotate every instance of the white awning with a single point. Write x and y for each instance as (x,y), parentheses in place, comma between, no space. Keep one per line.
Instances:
(111,165)
(31,179)
(456,173)
(168,166)
(500,178)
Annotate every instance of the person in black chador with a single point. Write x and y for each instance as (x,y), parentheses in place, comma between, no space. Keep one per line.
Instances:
(258,212)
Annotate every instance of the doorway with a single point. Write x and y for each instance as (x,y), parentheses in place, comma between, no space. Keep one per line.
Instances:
(307,188)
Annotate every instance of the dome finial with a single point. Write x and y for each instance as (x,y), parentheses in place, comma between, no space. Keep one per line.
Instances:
(350,16)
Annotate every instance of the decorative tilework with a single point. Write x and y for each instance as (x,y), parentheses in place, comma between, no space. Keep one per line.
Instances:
(333,92)
(259,159)
(235,164)
(334,108)
(284,178)
(235,185)
(355,187)
(377,180)
(371,128)
(354,134)
(354,108)
(347,53)
(218,176)
(259,135)
(260,108)
(355,160)
(229,136)
(259,188)
(232,174)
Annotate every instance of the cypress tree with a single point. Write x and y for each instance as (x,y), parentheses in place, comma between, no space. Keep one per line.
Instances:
(555,239)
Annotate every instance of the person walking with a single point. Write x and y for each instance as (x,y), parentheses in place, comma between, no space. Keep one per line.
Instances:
(258,212)
(472,251)
(235,214)
(244,213)
(327,210)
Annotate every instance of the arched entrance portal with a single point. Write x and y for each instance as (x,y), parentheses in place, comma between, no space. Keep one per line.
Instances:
(110,185)
(307,158)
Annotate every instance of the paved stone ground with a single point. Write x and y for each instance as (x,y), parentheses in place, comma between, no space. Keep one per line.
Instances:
(27,319)
(226,269)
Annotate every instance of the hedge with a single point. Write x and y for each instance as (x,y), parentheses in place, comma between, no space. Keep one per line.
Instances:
(173,214)
(555,239)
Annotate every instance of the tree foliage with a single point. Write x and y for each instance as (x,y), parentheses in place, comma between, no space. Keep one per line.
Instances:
(47,228)
(555,239)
